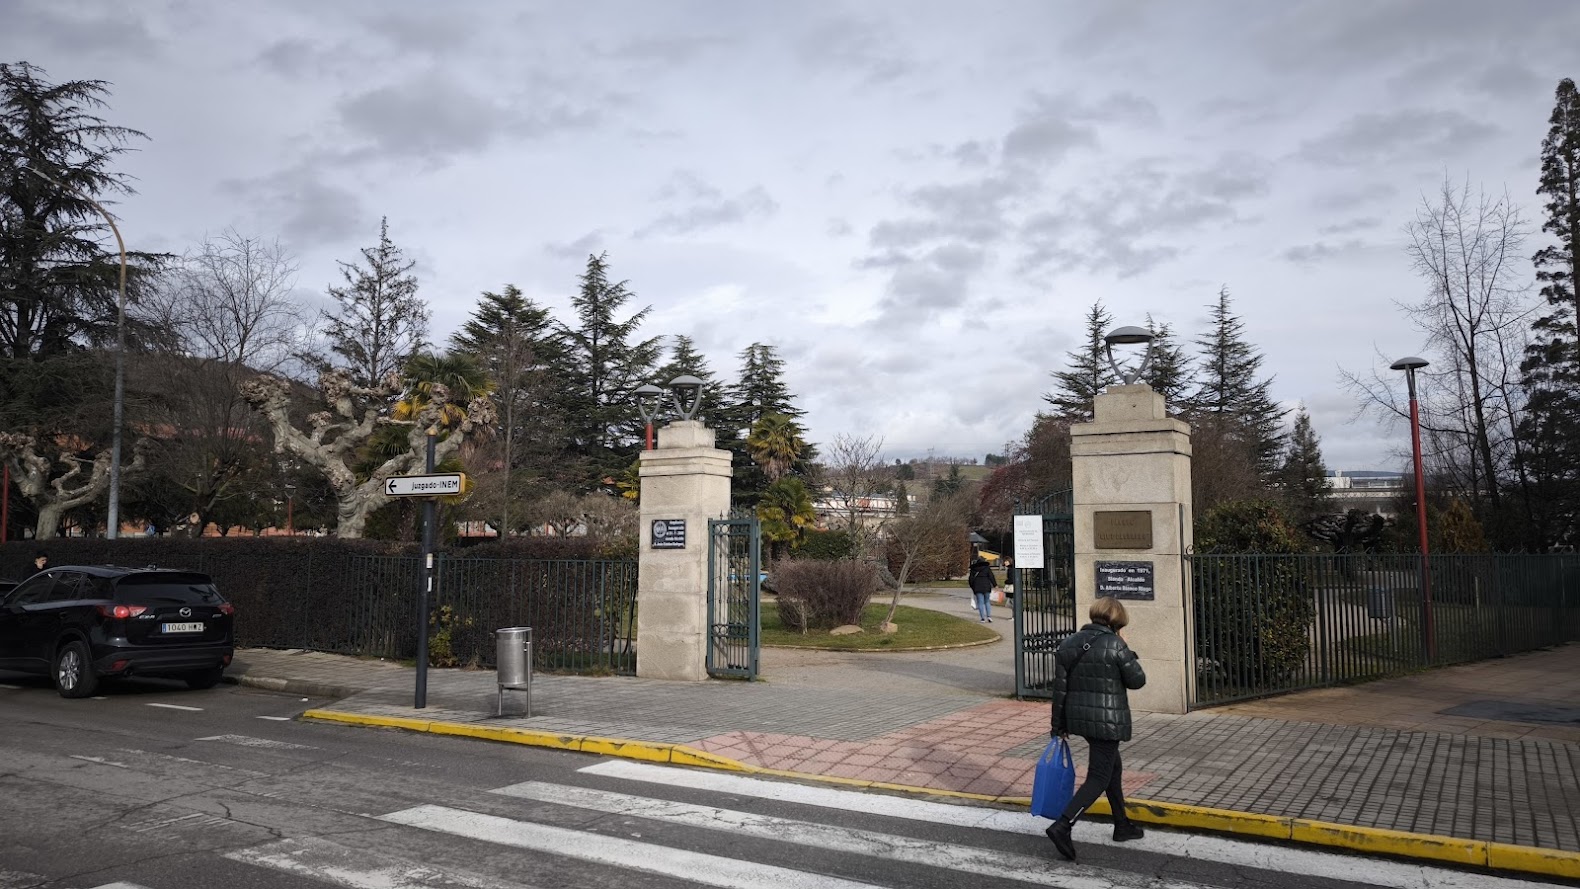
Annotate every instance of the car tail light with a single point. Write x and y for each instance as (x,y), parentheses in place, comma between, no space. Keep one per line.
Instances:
(227,608)
(122,611)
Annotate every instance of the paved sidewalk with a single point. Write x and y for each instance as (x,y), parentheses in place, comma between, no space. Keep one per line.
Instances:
(1309,763)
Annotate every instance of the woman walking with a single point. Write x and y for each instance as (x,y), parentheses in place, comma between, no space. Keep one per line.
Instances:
(1093,671)
(980,579)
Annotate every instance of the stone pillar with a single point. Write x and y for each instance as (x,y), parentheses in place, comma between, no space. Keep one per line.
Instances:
(685,482)
(1133,519)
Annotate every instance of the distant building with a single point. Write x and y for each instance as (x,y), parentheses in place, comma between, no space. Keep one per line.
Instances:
(1367,490)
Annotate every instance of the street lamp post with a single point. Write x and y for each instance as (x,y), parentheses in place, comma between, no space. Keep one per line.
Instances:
(1130,336)
(647,398)
(1410,366)
(113,522)
(687,391)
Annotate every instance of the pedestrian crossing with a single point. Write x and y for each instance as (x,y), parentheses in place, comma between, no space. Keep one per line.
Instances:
(637,822)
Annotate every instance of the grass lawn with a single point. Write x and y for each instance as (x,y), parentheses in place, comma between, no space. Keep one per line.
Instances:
(919,628)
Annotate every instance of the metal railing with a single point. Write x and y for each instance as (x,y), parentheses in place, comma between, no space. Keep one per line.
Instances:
(1044,603)
(1268,624)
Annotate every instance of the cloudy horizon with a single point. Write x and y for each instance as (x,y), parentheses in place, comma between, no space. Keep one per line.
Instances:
(916,203)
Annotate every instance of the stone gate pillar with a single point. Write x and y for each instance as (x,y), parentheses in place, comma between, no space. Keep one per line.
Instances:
(1132,522)
(685,482)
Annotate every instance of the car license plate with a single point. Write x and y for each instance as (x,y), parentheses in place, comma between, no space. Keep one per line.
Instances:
(195,627)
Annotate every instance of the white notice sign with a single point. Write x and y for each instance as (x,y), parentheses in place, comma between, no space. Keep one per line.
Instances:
(1028,541)
(424,485)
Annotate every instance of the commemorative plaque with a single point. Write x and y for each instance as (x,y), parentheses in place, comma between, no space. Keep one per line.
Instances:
(1125,580)
(1124,529)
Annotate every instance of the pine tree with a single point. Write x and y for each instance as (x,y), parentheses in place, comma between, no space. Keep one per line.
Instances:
(1168,372)
(1089,372)
(760,389)
(1549,458)
(378,322)
(600,365)
(1228,386)
(686,360)
(511,337)
(1303,476)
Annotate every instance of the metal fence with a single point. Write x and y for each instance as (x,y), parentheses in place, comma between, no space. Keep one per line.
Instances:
(1267,624)
(1045,597)
(734,577)
(582,612)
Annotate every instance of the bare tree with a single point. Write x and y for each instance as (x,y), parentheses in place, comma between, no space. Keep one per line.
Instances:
(854,473)
(1468,247)
(927,532)
(230,300)
(83,482)
(334,440)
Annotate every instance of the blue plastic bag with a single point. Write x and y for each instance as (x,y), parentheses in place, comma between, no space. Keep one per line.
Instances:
(1053,783)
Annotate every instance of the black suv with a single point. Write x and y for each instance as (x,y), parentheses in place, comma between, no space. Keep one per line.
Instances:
(78,623)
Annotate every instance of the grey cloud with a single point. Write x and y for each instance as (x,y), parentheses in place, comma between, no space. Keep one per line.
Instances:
(848,44)
(1351,225)
(75,29)
(1369,138)
(429,34)
(669,51)
(309,209)
(1507,79)
(580,248)
(706,207)
(971,154)
(1321,251)
(1343,199)
(432,117)
(838,228)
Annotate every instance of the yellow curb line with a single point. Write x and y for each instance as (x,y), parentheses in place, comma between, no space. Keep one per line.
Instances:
(1371,840)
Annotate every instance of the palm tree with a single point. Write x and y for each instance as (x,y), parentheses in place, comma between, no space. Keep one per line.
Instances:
(775,444)
(456,375)
(786,513)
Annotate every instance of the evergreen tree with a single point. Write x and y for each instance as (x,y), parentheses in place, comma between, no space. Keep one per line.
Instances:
(600,365)
(1169,371)
(378,322)
(1549,458)
(1088,372)
(1303,476)
(950,484)
(760,389)
(686,360)
(1228,387)
(512,338)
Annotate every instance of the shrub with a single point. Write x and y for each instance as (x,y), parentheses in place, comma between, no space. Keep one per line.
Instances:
(816,595)
(827,546)
(1252,614)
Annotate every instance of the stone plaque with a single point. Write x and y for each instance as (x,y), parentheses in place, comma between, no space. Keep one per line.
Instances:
(1125,580)
(669,534)
(1131,529)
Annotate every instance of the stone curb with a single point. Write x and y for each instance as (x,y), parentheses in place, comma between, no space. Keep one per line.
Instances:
(1370,840)
(956,647)
(303,687)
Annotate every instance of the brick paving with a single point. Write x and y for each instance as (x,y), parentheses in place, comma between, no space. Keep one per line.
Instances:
(1327,763)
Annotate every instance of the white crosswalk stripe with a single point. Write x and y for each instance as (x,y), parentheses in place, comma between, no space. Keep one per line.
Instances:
(359,868)
(966,859)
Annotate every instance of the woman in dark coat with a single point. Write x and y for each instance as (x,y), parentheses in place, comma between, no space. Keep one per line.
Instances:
(980,578)
(1093,671)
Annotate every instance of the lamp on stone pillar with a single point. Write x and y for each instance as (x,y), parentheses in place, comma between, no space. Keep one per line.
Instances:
(1129,336)
(687,391)
(1410,365)
(647,398)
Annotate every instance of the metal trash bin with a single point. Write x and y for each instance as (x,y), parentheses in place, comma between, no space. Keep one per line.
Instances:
(1379,603)
(513,663)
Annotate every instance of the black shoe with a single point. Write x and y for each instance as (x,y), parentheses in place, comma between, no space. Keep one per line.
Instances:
(1125,831)
(1059,832)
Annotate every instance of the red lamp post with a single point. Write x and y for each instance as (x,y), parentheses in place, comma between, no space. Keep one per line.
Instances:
(1410,366)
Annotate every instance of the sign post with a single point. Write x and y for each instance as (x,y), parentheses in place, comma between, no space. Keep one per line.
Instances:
(429,487)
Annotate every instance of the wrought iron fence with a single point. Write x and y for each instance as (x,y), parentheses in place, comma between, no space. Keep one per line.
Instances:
(734,577)
(1266,624)
(582,612)
(1045,597)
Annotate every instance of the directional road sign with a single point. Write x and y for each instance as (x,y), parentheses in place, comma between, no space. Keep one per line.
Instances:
(424,485)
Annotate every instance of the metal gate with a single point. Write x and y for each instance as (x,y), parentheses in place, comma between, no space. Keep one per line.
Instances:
(1045,597)
(734,581)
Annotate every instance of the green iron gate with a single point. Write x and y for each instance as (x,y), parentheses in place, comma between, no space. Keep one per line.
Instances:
(1045,597)
(734,579)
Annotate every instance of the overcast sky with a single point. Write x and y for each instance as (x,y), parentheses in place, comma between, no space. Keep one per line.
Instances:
(915,202)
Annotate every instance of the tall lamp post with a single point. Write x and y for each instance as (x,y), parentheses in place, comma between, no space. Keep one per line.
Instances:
(1410,365)
(113,522)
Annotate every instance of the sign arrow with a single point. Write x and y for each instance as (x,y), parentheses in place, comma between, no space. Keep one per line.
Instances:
(391,487)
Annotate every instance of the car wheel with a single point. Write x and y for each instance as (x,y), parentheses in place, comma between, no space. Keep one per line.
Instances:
(74,676)
(204,678)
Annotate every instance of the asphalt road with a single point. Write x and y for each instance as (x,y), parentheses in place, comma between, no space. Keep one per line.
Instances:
(155,786)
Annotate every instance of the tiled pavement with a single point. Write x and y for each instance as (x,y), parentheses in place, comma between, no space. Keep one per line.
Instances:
(1318,759)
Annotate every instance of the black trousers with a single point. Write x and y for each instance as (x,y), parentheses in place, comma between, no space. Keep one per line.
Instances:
(1104,771)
